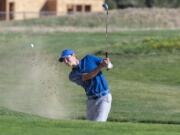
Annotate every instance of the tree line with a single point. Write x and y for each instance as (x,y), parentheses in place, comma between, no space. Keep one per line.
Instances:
(113,4)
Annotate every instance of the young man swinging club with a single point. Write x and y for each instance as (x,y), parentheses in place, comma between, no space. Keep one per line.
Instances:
(87,73)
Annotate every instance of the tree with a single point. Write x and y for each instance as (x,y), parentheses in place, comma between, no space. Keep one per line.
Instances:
(149,3)
(112,4)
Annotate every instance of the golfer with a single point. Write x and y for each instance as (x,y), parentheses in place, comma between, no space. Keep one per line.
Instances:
(87,73)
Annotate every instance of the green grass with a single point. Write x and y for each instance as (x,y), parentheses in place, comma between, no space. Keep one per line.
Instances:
(148,78)
(23,124)
(144,82)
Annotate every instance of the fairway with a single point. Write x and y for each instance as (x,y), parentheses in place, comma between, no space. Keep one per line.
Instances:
(144,82)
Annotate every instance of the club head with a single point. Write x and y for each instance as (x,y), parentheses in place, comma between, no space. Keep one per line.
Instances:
(105,6)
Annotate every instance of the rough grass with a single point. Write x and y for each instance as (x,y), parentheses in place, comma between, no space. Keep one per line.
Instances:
(118,19)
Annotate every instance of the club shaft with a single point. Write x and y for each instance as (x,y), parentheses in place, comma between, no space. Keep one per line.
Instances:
(107,26)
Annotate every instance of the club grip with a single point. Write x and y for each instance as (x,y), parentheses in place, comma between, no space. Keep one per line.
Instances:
(106,54)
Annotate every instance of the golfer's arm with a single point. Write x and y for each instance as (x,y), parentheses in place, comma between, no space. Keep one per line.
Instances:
(88,76)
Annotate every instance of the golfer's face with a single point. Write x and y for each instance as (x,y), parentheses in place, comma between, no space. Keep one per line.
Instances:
(69,61)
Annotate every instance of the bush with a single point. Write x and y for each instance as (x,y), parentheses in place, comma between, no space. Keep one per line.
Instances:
(167,44)
(146,3)
(146,46)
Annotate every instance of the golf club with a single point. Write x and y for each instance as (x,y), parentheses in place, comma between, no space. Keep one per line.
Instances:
(106,7)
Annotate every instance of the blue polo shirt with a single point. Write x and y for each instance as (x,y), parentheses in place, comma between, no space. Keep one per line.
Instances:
(96,86)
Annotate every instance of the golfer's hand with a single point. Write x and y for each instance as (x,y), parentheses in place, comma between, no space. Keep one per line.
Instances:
(104,63)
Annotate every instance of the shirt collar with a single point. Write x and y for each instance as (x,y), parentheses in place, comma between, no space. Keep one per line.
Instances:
(76,67)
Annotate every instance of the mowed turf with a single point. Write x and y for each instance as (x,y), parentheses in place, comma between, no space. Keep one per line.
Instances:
(145,82)
(22,124)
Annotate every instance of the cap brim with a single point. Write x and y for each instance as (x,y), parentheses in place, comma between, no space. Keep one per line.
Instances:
(61,59)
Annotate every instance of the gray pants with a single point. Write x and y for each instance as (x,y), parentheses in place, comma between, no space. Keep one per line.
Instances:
(98,109)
